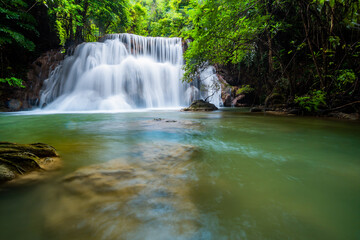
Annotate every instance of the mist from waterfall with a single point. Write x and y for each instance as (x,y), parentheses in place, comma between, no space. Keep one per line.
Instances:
(122,72)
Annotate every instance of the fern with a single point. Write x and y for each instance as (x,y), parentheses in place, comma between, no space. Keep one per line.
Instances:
(15,23)
(13,82)
(18,37)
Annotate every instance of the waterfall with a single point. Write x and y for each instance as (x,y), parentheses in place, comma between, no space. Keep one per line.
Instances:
(210,87)
(123,71)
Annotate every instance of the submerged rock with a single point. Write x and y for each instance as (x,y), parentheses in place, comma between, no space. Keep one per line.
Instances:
(201,105)
(256,109)
(294,111)
(14,104)
(261,109)
(144,196)
(168,125)
(348,116)
(20,159)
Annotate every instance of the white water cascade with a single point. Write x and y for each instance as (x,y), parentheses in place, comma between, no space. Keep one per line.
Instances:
(210,87)
(124,72)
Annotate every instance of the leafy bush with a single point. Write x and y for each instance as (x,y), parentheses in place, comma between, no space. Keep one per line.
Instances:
(311,101)
(345,77)
(13,81)
(16,23)
(244,89)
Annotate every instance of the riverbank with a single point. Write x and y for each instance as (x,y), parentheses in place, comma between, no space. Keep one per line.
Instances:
(328,113)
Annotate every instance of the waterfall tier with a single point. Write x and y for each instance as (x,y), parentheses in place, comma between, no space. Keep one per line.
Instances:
(124,71)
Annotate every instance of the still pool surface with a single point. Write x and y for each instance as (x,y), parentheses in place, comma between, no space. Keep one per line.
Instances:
(220,175)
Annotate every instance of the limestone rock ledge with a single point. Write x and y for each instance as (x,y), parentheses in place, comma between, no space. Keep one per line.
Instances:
(18,160)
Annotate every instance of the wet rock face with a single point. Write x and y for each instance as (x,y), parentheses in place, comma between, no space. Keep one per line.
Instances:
(226,92)
(230,96)
(14,104)
(201,105)
(145,196)
(39,71)
(19,159)
(16,99)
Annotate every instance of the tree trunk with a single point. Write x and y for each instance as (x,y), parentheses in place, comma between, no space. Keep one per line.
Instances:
(2,64)
(306,28)
(271,63)
(79,35)
(269,43)
(71,28)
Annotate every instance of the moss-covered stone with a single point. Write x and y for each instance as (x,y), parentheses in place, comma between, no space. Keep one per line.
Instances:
(20,162)
(19,159)
(201,105)
(6,174)
(39,149)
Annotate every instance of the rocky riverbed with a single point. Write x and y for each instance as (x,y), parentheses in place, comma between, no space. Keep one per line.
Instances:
(142,197)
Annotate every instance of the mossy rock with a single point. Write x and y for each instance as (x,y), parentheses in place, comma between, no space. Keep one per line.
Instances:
(201,105)
(6,174)
(20,159)
(39,149)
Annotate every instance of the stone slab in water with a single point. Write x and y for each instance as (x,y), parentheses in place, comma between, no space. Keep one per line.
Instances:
(19,159)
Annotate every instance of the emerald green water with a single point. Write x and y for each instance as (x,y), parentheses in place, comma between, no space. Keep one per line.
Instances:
(250,177)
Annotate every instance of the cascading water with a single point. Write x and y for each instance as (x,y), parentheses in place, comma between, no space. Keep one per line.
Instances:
(210,87)
(123,72)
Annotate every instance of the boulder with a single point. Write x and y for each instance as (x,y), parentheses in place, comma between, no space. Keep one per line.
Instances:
(20,159)
(201,105)
(14,104)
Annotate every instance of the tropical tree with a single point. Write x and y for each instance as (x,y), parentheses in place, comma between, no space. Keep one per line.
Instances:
(138,17)
(16,26)
(222,31)
(78,20)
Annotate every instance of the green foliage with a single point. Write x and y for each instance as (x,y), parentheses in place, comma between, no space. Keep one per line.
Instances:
(345,78)
(138,23)
(13,82)
(311,101)
(279,45)
(222,32)
(290,46)
(16,24)
(245,89)
(166,18)
(87,20)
